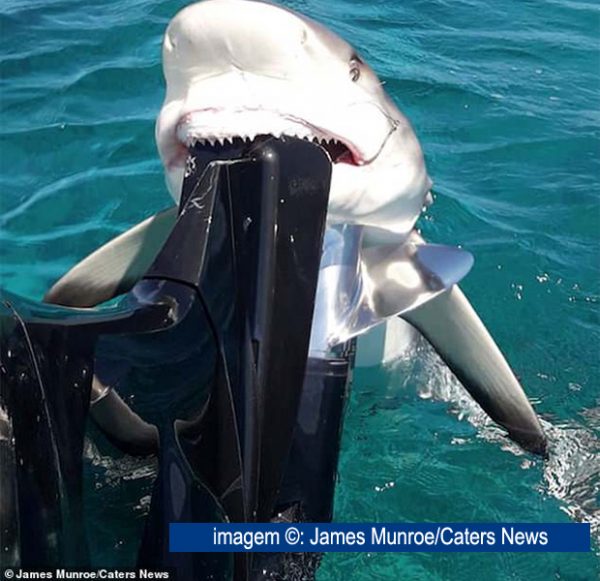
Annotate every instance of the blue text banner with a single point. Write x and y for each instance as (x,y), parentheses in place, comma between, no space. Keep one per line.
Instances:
(379,537)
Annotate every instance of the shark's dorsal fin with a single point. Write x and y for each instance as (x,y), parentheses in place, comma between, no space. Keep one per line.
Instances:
(115,267)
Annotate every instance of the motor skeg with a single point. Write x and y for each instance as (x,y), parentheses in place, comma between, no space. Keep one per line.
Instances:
(213,343)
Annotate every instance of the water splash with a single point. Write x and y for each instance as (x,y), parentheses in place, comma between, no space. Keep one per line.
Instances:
(572,472)
(111,471)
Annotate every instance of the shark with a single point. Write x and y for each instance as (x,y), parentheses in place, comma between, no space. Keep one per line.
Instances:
(239,72)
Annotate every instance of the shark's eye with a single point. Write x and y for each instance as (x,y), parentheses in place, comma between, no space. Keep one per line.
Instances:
(355,63)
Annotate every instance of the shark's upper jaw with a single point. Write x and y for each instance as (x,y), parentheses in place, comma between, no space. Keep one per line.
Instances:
(214,127)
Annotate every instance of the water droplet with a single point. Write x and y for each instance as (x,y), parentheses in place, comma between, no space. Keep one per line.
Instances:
(542,278)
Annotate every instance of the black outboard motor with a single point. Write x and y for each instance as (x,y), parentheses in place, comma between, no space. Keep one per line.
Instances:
(213,342)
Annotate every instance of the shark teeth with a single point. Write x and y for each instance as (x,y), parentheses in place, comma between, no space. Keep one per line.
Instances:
(229,139)
(336,148)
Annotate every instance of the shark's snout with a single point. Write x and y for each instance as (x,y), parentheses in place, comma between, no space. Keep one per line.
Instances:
(226,35)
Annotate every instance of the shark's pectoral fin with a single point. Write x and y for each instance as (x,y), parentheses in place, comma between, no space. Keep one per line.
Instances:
(114,268)
(362,287)
(397,279)
(453,328)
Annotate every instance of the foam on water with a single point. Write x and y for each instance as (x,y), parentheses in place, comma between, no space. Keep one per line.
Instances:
(572,471)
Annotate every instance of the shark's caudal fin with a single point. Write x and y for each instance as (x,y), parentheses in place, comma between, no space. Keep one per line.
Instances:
(453,328)
(114,268)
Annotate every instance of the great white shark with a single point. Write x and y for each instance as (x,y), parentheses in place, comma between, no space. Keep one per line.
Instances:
(245,70)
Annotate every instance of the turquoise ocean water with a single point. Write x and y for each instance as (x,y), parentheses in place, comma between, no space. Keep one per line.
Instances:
(505,97)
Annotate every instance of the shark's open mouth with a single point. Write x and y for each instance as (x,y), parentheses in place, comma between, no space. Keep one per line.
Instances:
(214,131)
(338,152)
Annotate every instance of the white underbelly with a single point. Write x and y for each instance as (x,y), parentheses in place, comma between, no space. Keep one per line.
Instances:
(385,343)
